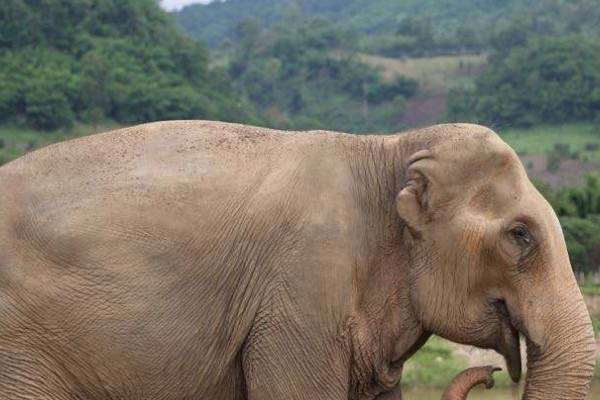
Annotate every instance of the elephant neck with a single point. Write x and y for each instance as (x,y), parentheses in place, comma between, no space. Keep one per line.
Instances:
(384,327)
(378,165)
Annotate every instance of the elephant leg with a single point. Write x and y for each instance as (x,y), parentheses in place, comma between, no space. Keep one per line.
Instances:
(283,364)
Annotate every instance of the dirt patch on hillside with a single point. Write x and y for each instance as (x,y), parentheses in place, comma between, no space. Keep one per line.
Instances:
(569,173)
(424,110)
(435,76)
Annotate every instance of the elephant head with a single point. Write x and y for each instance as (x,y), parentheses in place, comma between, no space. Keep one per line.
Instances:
(489,263)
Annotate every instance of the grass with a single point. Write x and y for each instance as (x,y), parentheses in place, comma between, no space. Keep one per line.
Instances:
(596,324)
(541,139)
(440,72)
(590,288)
(435,365)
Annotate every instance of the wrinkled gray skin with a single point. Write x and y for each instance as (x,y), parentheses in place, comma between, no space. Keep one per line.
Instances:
(203,260)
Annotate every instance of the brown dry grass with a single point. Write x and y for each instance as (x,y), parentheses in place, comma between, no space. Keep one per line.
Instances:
(433,73)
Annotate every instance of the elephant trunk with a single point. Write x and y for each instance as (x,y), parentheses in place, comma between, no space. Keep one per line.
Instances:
(560,350)
(466,380)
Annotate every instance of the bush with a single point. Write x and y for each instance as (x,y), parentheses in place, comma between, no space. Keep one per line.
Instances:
(592,146)
(578,209)
(48,109)
(558,153)
(553,162)
(292,74)
(461,104)
(547,79)
(562,150)
(91,60)
(583,242)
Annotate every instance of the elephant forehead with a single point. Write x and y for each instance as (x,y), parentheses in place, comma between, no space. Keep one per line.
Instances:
(468,159)
(500,193)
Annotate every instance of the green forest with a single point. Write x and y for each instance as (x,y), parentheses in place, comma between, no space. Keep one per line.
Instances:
(124,60)
(460,24)
(530,69)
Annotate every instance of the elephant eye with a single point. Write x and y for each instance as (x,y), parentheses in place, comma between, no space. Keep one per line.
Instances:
(521,235)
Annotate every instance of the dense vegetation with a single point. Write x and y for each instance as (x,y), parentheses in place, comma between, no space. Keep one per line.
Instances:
(543,64)
(217,21)
(578,209)
(294,76)
(537,80)
(398,27)
(439,28)
(62,61)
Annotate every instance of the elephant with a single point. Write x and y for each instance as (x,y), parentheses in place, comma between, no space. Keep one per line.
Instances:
(207,260)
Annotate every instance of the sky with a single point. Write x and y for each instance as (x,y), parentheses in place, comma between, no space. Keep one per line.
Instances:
(177,4)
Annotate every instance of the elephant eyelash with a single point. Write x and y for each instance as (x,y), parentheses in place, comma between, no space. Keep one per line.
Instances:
(524,241)
(521,236)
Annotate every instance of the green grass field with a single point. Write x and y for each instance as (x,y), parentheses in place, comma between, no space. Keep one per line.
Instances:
(541,139)
(435,364)
(590,289)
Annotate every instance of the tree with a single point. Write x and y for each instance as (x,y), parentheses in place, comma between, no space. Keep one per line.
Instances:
(578,209)
(545,80)
(293,74)
(96,59)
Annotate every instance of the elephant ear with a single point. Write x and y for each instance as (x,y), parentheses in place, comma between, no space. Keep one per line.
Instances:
(413,203)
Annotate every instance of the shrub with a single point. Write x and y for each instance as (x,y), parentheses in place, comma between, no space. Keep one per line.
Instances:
(592,146)
(48,109)
(553,162)
(539,79)
(91,60)
(578,209)
(562,149)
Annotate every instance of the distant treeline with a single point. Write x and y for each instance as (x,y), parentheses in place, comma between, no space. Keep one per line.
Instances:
(578,209)
(124,60)
(543,64)
(397,28)
(88,60)
(295,76)
(293,64)
(535,80)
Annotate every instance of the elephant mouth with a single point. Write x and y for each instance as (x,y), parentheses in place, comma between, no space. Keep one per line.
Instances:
(509,344)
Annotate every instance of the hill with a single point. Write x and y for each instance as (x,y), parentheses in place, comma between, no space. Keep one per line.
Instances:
(90,60)
(216,21)
(468,20)
(295,77)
